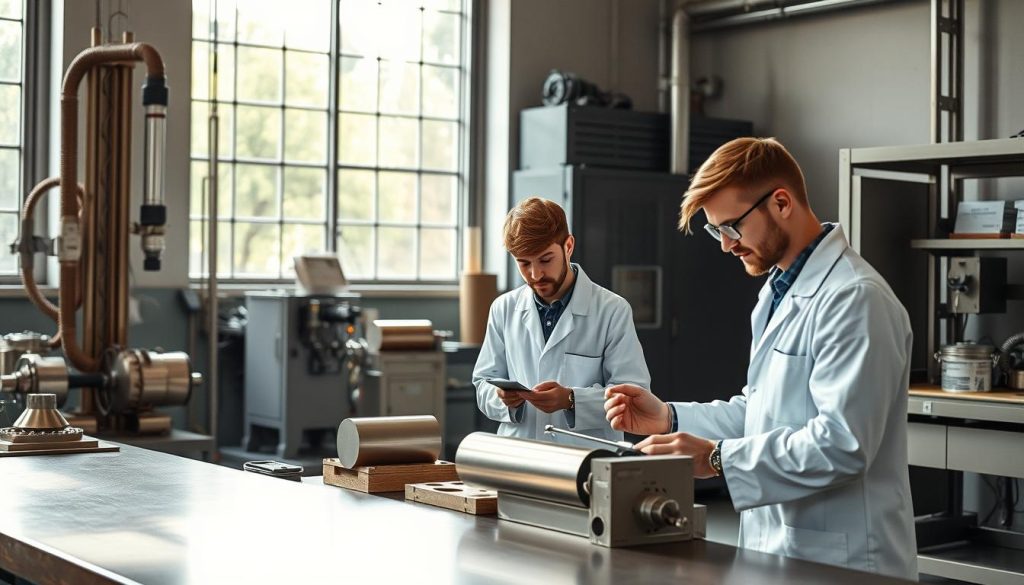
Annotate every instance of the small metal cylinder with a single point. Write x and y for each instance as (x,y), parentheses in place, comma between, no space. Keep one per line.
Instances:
(156,126)
(535,469)
(388,440)
(140,379)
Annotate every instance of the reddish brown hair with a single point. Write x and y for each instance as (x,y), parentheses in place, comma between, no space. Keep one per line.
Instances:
(746,163)
(533,225)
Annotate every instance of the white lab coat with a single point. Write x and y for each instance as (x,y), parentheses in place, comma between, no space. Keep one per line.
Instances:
(815,448)
(593,346)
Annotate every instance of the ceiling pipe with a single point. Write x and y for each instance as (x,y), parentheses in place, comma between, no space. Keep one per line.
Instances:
(719,14)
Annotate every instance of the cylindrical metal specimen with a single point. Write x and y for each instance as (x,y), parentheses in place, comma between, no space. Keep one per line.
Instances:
(388,440)
(536,469)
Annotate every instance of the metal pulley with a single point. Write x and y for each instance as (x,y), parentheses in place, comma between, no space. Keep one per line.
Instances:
(35,374)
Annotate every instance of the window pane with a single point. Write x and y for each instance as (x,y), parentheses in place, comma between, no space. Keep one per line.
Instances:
(259,21)
(400,38)
(357,139)
(359,27)
(307,24)
(259,131)
(306,79)
(259,74)
(358,84)
(355,195)
(356,249)
(256,194)
(440,92)
(440,37)
(397,197)
(397,253)
(299,239)
(399,88)
(201,20)
(398,142)
(304,193)
(443,4)
(201,71)
(10,114)
(10,51)
(197,203)
(10,8)
(8,233)
(438,195)
(197,248)
(305,136)
(437,254)
(440,145)
(10,163)
(256,250)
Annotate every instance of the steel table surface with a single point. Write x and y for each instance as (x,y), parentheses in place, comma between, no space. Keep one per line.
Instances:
(148,517)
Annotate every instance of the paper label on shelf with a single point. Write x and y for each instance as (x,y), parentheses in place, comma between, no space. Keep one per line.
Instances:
(985,217)
(1019,205)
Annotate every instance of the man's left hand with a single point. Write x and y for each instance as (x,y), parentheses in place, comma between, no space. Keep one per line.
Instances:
(682,444)
(548,397)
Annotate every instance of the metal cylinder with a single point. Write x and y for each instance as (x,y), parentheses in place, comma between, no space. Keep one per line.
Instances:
(156,126)
(388,440)
(35,374)
(535,469)
(140,379)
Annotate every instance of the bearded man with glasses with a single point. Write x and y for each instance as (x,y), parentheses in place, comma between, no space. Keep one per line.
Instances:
(814,447)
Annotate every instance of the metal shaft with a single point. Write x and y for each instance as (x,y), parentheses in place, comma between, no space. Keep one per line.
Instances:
(534,469)
(388,440)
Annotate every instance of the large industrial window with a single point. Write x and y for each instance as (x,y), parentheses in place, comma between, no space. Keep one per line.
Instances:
(12,33)
(341,129)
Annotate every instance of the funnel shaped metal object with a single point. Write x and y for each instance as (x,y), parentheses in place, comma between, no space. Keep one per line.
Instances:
(41,414)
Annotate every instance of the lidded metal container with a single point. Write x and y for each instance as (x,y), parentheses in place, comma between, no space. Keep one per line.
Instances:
(967,367)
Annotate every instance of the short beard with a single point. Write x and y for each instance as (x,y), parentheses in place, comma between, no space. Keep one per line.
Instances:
(775,246)
(561,278)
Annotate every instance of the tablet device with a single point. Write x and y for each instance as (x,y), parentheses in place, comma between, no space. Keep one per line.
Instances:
(509,385)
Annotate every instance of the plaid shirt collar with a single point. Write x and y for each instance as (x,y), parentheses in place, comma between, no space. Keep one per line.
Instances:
(782,281)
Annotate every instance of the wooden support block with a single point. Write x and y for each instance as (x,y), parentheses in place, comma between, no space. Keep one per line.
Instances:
(373,479)
(84,445)
(454,495)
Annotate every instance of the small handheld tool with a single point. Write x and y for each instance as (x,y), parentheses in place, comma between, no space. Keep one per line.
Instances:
(621,448)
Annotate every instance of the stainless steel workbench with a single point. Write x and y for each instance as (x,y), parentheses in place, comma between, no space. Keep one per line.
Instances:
(148,517)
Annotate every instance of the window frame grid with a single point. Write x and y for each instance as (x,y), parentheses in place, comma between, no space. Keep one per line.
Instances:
(22,165)
(333,224)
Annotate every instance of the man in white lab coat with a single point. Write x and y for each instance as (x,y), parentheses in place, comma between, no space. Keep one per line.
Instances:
(814,448)
(561,335)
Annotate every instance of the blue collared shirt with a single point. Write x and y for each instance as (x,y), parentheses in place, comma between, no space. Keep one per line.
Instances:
(550,314)
(781,281)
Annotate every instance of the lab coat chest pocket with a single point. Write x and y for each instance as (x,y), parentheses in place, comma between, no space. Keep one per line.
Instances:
(580,371)
(786,388)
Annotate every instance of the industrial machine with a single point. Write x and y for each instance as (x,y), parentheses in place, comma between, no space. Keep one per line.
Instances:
(612,501)
(304,358)
(119,385)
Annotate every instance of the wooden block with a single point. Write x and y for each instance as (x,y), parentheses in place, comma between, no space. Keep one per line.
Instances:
(372,479)
(994,236)
(83,443)
(454,495)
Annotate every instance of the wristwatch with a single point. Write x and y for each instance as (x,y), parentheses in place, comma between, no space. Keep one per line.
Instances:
(572,400)
(715,459)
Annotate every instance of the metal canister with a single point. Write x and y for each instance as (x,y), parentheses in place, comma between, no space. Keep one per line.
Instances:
(967,367)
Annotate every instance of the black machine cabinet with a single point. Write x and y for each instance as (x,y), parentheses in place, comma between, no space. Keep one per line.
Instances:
(691,303)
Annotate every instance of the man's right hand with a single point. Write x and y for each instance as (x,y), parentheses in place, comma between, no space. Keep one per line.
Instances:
(635,410)
(511,398)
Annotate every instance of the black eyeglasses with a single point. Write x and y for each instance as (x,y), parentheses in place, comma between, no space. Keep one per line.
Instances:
(729,229)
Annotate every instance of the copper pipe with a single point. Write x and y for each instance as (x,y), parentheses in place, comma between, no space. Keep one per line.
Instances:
(28,279)
(82,64)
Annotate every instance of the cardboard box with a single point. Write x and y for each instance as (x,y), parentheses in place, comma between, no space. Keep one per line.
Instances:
(985,217)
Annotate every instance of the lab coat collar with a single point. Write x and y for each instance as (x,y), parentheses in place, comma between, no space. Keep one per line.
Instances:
(820,264)
(579,304)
